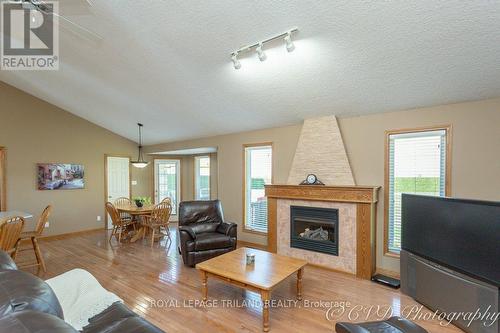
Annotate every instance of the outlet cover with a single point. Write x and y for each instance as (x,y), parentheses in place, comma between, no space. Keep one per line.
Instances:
(47,224)
(98,218)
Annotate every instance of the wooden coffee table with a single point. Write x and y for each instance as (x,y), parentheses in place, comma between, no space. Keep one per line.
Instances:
(268,271)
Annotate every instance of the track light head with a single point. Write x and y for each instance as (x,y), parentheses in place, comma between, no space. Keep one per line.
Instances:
(236,62)
(260,53)
(289,43)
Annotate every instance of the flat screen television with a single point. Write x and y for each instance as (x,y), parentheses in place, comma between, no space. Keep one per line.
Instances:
(461,234)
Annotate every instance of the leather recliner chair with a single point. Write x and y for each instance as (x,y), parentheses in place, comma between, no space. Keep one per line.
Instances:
(391,325)
(203,233)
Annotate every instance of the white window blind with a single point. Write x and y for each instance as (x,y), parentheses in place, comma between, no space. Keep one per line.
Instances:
(417,164)
(202,178)
(258,172)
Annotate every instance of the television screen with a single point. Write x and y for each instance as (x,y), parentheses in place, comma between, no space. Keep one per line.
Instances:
(460,234)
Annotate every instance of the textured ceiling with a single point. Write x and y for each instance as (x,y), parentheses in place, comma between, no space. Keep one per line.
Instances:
(166,63)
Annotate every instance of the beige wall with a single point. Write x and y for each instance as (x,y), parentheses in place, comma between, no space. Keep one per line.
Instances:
(475,168)
(475,155)
(230,165)
(34,131)
(187,174)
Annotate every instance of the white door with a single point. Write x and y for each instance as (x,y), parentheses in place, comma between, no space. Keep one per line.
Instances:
(167,182)
(118,180)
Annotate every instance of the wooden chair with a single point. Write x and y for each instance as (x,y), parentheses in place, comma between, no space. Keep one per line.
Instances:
(159,218)
(10,231)
(35,234)
(124,201)
(119,225)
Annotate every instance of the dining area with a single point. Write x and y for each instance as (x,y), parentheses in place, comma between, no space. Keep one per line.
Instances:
(132,221)
(18,228)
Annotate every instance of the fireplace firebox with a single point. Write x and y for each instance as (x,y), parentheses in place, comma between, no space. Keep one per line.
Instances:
(315,229)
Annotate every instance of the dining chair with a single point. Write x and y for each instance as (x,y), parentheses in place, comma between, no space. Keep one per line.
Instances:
(124,201)
(10,231)
(119,225)
(158,220)
(37,233)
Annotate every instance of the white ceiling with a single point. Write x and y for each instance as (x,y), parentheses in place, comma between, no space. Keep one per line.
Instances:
(166,63)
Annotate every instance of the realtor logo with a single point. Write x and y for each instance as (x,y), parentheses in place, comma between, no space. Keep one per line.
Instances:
(30,36)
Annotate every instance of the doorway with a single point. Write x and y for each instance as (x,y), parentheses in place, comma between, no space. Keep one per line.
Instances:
(167,179)
(117,174)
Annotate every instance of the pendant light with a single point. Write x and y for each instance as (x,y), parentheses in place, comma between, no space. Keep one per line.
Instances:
(140,163)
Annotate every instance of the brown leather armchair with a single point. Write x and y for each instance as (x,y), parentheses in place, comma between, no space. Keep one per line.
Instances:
(203,233)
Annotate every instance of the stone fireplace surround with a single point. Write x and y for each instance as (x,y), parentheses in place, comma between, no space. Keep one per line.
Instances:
(357,214)
(346,259)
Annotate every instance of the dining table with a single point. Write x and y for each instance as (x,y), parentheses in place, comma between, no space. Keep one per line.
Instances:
(29,223)
(136,212)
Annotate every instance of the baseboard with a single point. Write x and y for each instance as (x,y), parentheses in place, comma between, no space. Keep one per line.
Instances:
(65,235)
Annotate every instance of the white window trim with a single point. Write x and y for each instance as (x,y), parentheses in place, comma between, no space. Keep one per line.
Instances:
(157,162)
(196,173)
(244,187)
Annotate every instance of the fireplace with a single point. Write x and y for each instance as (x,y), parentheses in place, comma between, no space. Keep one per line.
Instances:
(315,229)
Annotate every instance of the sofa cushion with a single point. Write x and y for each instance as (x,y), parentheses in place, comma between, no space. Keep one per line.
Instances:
(391,325)
(200,212)
(33,322)
(211,240)
(120,319)
(23,291)
(6,262)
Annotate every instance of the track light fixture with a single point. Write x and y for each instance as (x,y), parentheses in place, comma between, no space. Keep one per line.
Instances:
(287,37)
(236,62)
(288,42)
(260,53)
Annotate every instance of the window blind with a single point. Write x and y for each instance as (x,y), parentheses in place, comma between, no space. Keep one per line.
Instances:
(258,172)
(417,164)
(202,178)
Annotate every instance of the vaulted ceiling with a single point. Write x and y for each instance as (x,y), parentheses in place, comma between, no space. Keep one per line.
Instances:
(166,63)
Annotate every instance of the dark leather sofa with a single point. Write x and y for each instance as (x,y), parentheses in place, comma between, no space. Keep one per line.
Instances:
(28,305)
(203,233)
(391,325)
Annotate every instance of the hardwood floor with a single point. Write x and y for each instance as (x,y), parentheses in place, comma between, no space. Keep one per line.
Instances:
(142,276)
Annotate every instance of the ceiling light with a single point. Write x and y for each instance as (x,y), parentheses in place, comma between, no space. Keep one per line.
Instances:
(140,163)
(258,46)
(289,44)
(260,53)
(236,62)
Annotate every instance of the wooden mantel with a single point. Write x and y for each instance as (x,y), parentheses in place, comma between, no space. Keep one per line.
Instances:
(365,198)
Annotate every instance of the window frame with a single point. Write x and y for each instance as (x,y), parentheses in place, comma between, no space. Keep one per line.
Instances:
(244,185)
(179,182)
(196,172)
(447,179)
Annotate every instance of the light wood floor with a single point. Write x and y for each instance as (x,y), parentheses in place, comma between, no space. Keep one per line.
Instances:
(139,274)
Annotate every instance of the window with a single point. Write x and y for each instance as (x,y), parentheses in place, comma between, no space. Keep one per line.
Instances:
(258,172)
(167,181)
(202,177)
(417,162)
